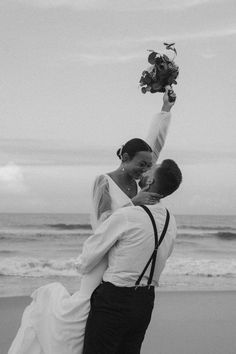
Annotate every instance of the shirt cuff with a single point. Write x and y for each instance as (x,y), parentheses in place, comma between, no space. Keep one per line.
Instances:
(167,114)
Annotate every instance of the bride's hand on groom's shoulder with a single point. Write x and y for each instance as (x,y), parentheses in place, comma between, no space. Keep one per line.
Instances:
(145,197)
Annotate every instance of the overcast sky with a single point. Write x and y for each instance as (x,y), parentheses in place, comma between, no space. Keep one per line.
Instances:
(69,97)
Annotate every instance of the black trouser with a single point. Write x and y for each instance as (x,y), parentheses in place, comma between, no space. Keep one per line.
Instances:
(118,319)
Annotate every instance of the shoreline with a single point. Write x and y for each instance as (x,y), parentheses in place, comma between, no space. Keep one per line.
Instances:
(169,282)
(158,290)
(183,322)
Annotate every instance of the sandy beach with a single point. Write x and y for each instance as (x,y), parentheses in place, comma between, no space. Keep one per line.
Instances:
(183,322)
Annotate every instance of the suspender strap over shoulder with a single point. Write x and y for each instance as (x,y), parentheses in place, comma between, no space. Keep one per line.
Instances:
(152,259)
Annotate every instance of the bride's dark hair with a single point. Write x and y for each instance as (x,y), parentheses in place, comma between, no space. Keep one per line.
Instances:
(133,146)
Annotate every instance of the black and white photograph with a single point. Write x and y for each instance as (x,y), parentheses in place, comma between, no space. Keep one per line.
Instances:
(117,176)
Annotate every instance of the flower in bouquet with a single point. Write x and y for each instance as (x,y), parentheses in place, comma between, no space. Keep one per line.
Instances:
(162,72)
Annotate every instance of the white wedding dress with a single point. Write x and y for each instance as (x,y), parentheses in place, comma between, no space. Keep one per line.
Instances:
(54,323)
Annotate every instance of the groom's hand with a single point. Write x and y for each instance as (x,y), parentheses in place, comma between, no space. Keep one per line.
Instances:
(169,99)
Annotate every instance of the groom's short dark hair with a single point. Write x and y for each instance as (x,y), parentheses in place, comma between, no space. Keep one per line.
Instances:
(168,177)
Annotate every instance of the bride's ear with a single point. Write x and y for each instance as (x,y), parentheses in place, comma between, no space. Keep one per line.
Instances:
(125,157)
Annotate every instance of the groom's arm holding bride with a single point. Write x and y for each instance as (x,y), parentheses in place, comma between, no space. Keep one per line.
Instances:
(102,240)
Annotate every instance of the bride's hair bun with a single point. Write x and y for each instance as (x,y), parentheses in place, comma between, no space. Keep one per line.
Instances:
(120,151)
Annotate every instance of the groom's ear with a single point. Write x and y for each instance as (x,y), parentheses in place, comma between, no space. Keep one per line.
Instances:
(143,182)
(146,182)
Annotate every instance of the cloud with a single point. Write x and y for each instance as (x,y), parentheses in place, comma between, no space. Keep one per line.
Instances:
(76,4)
(117,57)
(92,59)
(52,152)
(108,44)
(12,179)
(121,5)
(208,34)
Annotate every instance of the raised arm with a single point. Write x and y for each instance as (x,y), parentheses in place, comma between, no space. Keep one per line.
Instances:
(159,126)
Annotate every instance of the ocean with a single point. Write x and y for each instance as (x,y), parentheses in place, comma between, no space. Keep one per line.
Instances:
(36,249)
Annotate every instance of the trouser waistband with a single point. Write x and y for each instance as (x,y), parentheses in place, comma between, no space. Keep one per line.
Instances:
(140,288)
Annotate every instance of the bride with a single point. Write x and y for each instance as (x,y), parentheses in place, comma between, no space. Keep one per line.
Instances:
(54,322)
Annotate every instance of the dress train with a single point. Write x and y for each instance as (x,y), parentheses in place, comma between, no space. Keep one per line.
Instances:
(54,323)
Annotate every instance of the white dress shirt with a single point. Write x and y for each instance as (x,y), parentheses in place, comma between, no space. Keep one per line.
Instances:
(127,237)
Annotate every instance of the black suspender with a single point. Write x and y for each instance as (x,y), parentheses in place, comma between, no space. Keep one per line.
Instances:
(152,259)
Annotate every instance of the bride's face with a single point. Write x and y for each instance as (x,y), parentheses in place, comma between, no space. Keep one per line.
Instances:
(139,164)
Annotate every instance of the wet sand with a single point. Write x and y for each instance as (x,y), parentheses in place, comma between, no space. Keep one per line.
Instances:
(183,322)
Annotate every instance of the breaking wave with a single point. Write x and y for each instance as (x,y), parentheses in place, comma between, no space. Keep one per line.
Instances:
(32,267)
(61,226)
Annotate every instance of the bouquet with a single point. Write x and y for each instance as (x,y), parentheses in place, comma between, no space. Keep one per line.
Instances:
(162,72)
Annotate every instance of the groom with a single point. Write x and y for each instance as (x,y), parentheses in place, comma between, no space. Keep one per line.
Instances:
(121,306)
